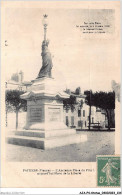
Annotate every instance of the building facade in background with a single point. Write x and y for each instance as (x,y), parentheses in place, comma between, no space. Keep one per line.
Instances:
(16,82)
(79,117)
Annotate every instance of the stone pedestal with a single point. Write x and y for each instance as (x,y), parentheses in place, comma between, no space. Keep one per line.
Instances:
(44,105)
(44,124)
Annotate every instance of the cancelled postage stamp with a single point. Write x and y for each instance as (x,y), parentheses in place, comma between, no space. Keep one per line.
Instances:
(108,171)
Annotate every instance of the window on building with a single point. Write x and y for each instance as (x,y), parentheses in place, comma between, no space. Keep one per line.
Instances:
(80,123)
(85,123)
(67,110)
(83,113)
(72,120)
(67,121)
(79,113)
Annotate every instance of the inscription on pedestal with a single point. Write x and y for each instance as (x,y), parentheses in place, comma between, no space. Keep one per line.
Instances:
(54,114)
(35,114)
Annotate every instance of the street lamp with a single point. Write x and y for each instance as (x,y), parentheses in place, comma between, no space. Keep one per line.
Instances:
(45,24)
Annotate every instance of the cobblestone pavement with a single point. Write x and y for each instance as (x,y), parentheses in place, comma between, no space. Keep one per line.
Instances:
(98,143)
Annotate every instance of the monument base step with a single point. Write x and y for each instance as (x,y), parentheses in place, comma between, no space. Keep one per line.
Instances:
(45,134)
(46,143)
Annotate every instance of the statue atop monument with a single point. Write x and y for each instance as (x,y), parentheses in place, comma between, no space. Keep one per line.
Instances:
(46,68)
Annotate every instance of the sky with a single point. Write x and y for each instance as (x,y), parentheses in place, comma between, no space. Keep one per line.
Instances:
(86,60)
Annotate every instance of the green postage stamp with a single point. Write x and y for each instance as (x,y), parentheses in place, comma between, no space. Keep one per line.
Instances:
(108,171)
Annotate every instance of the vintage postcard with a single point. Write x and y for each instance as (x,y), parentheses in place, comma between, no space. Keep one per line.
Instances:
(60,94)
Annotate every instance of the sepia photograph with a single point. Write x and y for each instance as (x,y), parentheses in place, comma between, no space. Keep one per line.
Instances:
(60,104)
(61,88)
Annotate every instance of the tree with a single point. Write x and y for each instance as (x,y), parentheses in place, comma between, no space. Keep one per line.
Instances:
(89,100)
(8,109)
(72,101)
(105,101)
(13,99)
